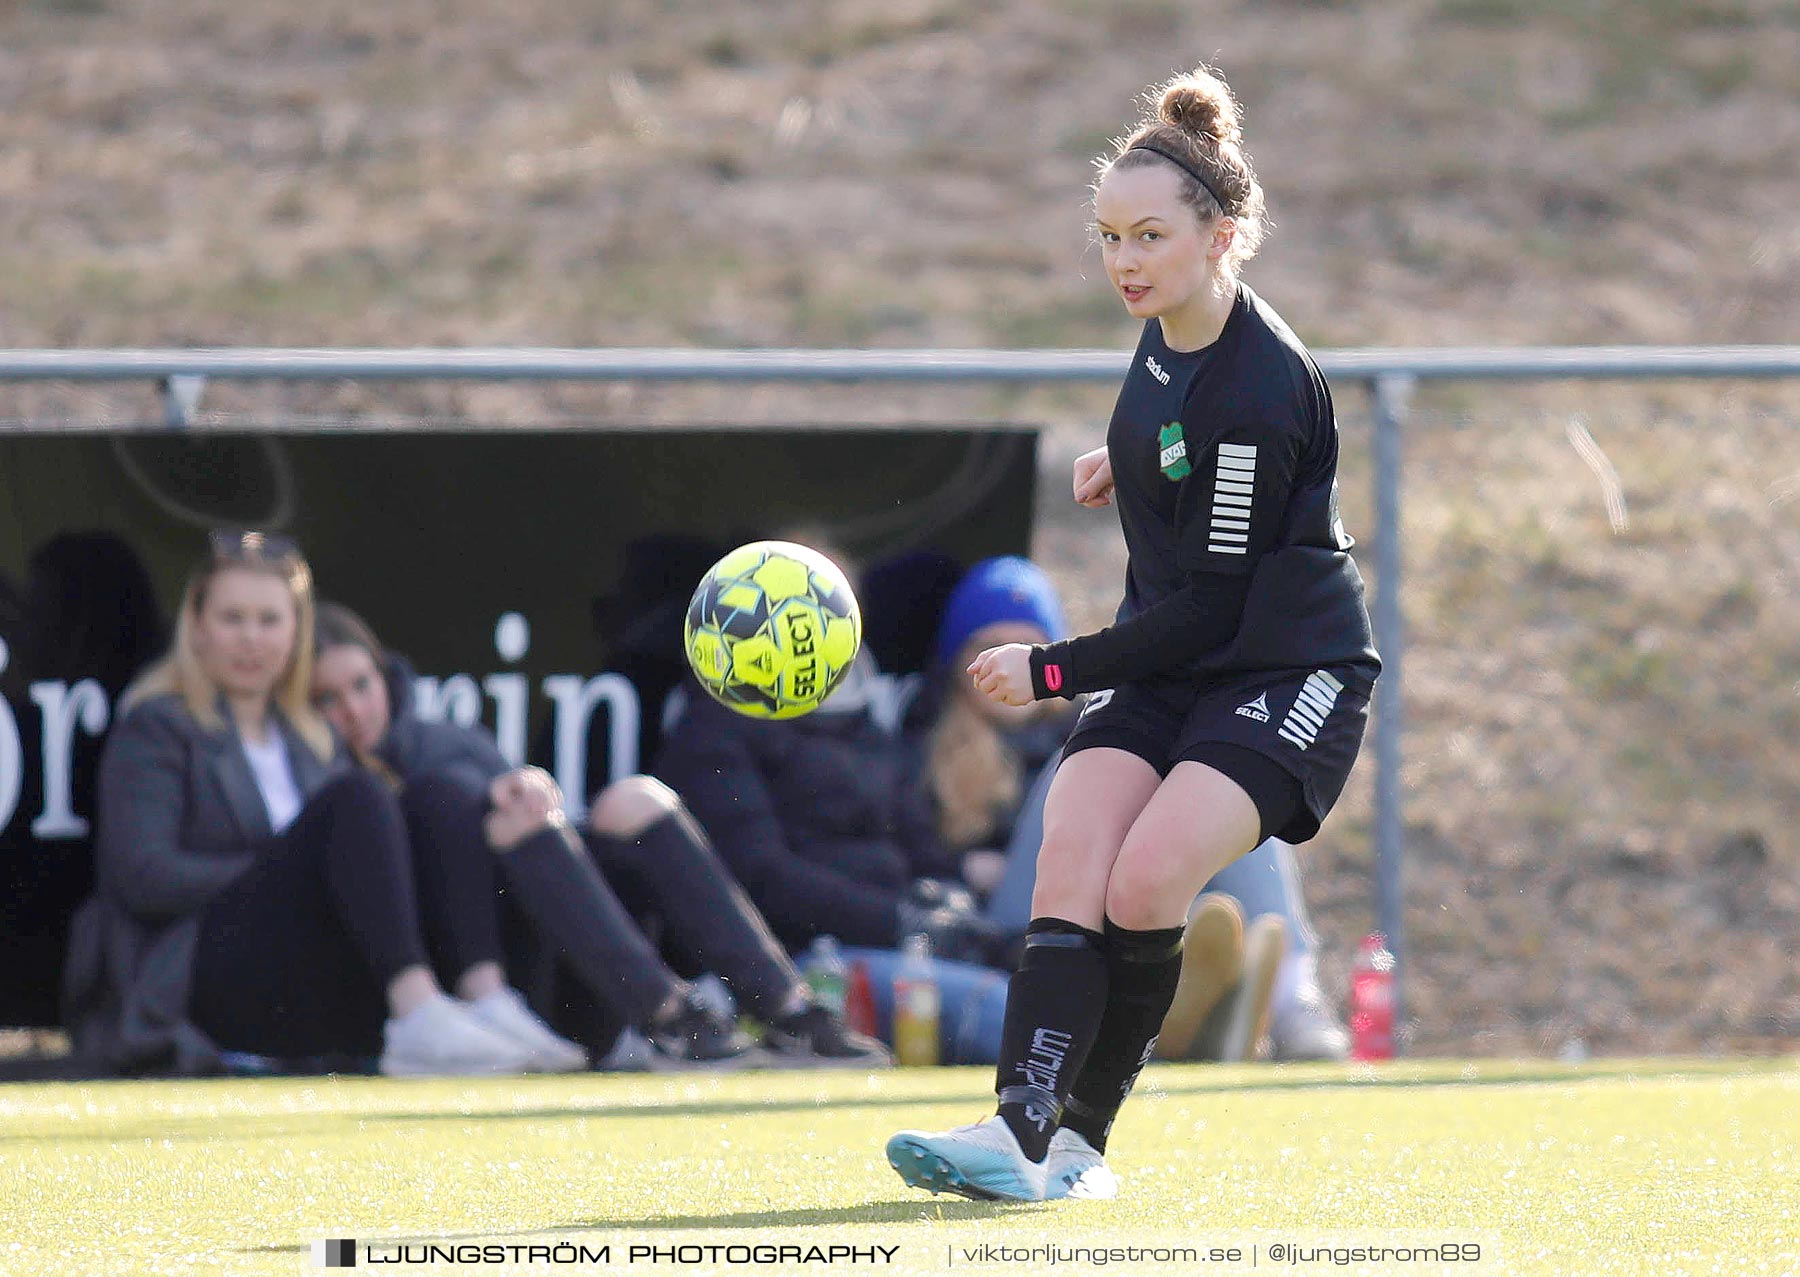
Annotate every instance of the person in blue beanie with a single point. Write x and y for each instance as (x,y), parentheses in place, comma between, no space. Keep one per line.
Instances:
(987,765)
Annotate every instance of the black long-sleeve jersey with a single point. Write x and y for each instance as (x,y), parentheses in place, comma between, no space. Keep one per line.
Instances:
(1224,464)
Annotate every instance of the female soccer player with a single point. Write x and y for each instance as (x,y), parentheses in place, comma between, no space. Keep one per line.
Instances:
(1231,692)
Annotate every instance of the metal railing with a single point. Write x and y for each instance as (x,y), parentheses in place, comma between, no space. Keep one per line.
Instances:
(1389,375)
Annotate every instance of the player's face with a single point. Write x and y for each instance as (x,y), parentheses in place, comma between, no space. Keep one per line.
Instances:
(350,691)
(1153,243)
(244,632)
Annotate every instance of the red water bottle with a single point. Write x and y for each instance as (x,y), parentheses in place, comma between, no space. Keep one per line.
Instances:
(1372,1000)
(859,1001)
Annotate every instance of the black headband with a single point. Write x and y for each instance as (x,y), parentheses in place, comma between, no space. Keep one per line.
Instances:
(1185,167)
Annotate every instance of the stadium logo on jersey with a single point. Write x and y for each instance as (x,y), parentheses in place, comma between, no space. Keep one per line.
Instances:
(1172,453)
(1156,369)
(1257,709)
(1317,697)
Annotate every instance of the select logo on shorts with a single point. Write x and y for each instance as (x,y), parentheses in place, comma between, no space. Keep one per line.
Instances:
(338,1253)
(1317,696)
(1172,453)
(1257,709)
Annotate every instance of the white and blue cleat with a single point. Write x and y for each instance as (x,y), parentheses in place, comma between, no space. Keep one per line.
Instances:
(982,1161)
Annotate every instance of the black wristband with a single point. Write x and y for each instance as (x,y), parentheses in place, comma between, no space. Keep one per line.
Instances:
(1048,676)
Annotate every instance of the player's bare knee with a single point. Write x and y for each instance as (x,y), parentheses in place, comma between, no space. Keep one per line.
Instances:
(1137,910)
(1071,871)
(1147,891)
(627,807)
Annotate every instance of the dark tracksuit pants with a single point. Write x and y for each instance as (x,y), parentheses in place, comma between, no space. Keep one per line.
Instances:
(295,956)
(585,902)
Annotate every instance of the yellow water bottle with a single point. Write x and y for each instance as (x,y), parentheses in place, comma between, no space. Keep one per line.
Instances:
(915,1004)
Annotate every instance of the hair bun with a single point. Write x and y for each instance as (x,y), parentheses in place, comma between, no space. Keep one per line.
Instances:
(1200,102)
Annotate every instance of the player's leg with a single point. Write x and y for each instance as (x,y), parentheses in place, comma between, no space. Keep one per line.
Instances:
(1058,995)
(1198,821)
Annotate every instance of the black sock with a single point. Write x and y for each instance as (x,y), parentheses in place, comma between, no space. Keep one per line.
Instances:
(1053,1007)
(1142,970)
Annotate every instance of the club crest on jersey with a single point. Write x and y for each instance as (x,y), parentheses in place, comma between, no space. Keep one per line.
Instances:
(1172,453)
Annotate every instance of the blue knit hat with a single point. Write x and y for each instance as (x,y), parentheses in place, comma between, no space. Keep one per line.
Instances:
(993,591)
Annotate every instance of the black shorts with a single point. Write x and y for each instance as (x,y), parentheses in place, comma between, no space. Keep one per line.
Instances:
(1288,738)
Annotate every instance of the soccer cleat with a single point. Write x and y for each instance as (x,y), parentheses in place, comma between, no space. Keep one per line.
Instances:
(1212,958)
(982,1161)
(504,1011)
(818,1038)
(1077,1170)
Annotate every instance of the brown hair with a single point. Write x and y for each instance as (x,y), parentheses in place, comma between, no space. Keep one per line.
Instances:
(1194,123)
(180,671)
(338,626)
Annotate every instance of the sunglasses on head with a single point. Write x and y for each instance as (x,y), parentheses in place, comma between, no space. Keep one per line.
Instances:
(229,546)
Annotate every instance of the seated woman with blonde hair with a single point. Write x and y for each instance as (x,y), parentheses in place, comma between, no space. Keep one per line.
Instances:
(254,893)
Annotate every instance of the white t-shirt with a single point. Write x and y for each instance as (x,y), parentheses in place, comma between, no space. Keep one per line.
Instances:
(275,778)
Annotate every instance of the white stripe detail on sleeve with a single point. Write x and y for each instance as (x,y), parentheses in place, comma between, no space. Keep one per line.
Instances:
(1234,484)
(1317,697)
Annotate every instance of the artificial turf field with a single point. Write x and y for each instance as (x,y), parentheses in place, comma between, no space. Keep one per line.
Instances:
(1618,1167)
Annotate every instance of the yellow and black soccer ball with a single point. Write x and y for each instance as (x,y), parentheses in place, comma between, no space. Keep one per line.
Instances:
(772,629)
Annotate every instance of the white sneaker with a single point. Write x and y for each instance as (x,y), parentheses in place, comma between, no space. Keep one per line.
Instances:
(1078,1170)
(506,1013)
(1306,1028)
(982,1160)
(440,1037)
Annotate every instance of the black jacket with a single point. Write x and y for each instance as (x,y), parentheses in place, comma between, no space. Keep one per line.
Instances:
(821,818)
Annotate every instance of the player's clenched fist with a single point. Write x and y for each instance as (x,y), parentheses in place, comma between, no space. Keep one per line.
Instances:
(1093,479)
(1004,673)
